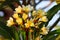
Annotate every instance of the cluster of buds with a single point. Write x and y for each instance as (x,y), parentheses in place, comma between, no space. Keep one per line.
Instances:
(27,17)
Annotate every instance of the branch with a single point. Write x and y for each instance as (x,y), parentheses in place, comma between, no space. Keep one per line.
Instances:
(28,2)
(33,3)
(38,2)
(54,24)
(15,4)
(8,12)
(8,8)
(24,2)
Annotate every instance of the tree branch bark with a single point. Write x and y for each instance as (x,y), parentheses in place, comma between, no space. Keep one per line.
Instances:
(24,2)
(8,12)
(28,2)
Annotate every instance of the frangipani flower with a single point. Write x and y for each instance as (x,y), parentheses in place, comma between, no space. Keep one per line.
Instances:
(24,16)
(15,16)
(18,10)
(44,31)
(44,19)
(27,8)
(29,24)
(41,13)
(29,21)
(34,13)
(19,21)
(10,22)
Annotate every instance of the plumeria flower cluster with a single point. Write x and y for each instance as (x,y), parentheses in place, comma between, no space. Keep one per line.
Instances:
(27,17)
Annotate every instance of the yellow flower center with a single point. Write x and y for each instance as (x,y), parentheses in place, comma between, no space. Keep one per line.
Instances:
(29,23)
(44,31)
(44,19)
(16,15)
(19,21)
(24,16)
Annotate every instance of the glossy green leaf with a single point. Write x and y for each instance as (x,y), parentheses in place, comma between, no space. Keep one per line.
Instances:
(7,29)
(51,34)
(51,37)
(23,34)
(16,36)
(5,34)
(52,12)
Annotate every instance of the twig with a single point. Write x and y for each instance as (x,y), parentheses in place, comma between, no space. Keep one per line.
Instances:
(15,4)
(33,4)
(38,2)
(24,2)
(28,2)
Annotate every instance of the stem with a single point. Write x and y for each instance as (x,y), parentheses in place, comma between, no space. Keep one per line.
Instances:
(27,36)
(16,36)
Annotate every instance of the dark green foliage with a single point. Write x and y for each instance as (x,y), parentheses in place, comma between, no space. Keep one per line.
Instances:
(52,12)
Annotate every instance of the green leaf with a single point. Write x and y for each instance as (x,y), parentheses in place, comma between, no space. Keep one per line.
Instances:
(10,30)
(51,34)
(5,34)
(52,12)
(15,33)
(51,37)
(7,29)
(37,30)
(23,34)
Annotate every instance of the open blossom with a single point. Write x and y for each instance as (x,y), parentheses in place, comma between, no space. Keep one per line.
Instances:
(19,21)
(44,19)
(34,13)
(27,8)
(24,16)
(41,13)
(29,24)
(44,31)
(18,10)
(15,16)
(28,18)
(10,22)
